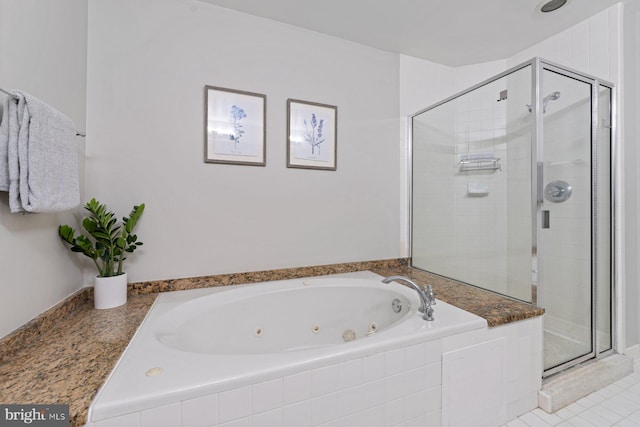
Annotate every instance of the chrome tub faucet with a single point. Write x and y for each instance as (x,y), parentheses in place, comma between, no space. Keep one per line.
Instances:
(427,298)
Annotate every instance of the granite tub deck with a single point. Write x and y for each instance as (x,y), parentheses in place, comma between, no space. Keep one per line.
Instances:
(66,354)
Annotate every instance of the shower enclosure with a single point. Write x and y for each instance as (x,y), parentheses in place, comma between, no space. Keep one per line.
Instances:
(512,192)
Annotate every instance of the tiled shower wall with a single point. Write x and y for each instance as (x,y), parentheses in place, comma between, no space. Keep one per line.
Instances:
(461,234)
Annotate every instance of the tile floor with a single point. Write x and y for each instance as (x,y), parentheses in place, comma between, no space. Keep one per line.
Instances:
(615,405)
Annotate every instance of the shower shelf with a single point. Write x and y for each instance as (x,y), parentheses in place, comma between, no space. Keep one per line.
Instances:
(480,164)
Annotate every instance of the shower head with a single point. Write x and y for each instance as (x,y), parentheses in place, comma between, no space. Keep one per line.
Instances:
(554,96)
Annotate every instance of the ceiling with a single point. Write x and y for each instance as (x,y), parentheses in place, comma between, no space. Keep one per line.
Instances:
(449,32)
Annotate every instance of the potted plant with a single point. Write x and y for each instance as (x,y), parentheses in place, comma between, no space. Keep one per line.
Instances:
(107,245)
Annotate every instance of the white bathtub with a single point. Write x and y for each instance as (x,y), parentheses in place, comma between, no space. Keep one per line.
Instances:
(205,345)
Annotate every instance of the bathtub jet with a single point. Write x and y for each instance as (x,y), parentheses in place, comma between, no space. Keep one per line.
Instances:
(426,295)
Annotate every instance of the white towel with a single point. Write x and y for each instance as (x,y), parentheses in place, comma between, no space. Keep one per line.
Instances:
(8,131)
(45,177)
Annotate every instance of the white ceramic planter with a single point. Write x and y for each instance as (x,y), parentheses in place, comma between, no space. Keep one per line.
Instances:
(109,292)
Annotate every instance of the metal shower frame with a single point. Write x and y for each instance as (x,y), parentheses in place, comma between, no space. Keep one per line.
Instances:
(537,291)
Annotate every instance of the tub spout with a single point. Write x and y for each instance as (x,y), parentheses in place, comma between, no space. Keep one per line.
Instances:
(426,296)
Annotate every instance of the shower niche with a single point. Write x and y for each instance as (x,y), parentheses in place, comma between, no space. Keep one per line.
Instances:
(511,191)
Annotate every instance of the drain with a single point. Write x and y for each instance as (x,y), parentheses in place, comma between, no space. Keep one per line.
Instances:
(396,305)
(315,329)
(258,332)
(348,335)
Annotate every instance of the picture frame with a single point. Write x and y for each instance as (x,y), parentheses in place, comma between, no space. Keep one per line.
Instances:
(312,139)
(234,126)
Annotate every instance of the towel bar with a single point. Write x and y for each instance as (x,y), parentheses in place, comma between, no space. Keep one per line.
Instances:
(15,97)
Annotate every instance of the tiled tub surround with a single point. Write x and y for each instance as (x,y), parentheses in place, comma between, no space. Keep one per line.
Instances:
(68,357)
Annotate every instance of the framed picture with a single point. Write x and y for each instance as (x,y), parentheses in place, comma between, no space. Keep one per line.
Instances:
(312,132)
(235,127)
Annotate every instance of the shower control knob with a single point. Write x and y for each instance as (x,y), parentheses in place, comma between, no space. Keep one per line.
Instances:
(557,191)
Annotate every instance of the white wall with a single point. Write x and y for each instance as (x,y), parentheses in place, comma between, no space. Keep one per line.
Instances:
(43,52)
(147,65)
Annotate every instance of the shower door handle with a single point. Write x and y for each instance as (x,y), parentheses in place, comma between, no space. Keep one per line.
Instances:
(545,219)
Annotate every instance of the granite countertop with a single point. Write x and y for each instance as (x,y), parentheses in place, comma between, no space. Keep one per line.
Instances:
(67,359)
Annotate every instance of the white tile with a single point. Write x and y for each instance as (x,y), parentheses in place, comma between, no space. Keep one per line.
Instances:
(267,395)
(373,417)
(200,412)
(162,416)
(324,408)
(433,400)
(267,419)
(394,412)
(627,423)
(599,45)
(626,382)
(415,356)
(324,380)
(433,375)
(373,367)
(634,390)
(635,417)
(350,374)
(414,380)
(414,405)
(578,421)
(576,408)
(600,395)
(242,422)
(373,394)
(297,415)
(419,421)
(586,402)
(621,404)
(612,389)
(433,352)
(334,423)
(394,361)
(552,419)
(129,420)
(354,420)
(580,46)
(234,404)
(531,420)
(350,401)
(596,419)
(564,413)
(297,387)
(516,423)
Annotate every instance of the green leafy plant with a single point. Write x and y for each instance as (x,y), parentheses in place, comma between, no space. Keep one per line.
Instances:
(111,241)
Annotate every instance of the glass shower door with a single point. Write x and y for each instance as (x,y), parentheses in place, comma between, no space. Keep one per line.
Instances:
(565,239)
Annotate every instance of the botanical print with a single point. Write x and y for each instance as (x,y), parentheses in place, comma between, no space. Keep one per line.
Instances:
(234,126)
(309,134)
(237,114)
(312,128)
(314,139)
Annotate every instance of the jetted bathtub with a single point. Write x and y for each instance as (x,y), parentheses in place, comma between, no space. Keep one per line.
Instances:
(247,343)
